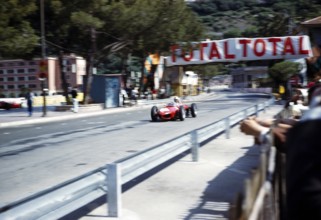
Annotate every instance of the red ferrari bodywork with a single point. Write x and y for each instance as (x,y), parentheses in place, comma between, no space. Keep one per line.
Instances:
(172,111)
(168,112)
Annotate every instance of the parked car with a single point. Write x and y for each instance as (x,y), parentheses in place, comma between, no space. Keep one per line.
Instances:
(9,103)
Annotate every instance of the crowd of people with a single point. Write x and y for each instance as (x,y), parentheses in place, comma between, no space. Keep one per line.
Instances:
(297,137)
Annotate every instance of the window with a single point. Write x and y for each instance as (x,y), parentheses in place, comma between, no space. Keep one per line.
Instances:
(1,79)
(31,70)
(1,71)
(32,86)
(10,71)
(21,70)
(21,78)
(21,86)
(10,86)
(2,87)
(10,79)
(32,63)
(21,63)
(31,78)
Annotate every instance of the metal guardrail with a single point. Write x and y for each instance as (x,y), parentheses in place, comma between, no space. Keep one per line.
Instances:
(65,198)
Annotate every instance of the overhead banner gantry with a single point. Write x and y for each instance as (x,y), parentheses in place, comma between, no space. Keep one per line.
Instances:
(240,49)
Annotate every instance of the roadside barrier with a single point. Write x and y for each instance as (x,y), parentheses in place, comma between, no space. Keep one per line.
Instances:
(263,196)
(65,198)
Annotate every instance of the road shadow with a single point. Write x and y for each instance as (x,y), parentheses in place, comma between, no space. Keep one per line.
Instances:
(220,193)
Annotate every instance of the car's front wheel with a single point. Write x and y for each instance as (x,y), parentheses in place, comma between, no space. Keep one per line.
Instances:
(154,113)
(193,110)
(182,113)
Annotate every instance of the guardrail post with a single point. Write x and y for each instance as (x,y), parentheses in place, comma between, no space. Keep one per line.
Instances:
(256,110)
(195,146)
(227,127)
(114,190)
(266,106)
(245,113)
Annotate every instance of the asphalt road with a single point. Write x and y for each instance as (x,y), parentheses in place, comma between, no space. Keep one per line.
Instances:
(39,156)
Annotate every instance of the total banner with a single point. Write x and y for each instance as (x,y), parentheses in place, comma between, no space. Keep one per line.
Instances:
(240,49)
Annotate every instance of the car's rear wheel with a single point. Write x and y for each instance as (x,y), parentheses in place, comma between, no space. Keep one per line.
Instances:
(154,113)
(182,113)
(193,110)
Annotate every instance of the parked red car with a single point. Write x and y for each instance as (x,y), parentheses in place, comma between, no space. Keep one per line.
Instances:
(173,111)
(8,103)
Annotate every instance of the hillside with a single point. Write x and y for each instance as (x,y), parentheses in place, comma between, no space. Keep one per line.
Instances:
(251,18)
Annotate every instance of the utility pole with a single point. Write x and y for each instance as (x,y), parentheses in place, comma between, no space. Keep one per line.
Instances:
(43,77)
(91,65)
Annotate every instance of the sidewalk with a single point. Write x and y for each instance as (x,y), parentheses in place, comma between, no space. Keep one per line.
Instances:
(192,190)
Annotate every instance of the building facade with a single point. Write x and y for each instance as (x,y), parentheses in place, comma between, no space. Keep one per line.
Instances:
(18,76)
(248,77)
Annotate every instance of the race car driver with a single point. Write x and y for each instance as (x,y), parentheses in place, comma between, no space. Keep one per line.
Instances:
(177,101)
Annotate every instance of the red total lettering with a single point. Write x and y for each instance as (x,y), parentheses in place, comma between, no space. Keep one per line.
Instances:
(202,45)
(256,46)
(274,42)
(173,50)
(245,42)
(288,46)
(191,54)
(301,50)
(214,52)
(226,53)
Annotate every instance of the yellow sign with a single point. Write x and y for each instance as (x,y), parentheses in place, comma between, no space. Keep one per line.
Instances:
(281,89)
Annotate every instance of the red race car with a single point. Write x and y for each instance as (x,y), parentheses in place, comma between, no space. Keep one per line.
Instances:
(173,111)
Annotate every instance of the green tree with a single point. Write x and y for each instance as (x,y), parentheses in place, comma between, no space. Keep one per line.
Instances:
(232,33)
(282,71)
(17,38)
(98,29)
(152,26)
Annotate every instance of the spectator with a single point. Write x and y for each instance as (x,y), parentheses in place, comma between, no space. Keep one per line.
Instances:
(301,144)
(303,164)
(74,94)
(134,94)
(29,98)
(261,130)
(294,108)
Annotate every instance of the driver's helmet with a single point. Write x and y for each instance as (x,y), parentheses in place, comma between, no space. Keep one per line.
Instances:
(176,99)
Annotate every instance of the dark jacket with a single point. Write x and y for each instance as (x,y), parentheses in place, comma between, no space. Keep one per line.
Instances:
(303,167)
(74,93)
